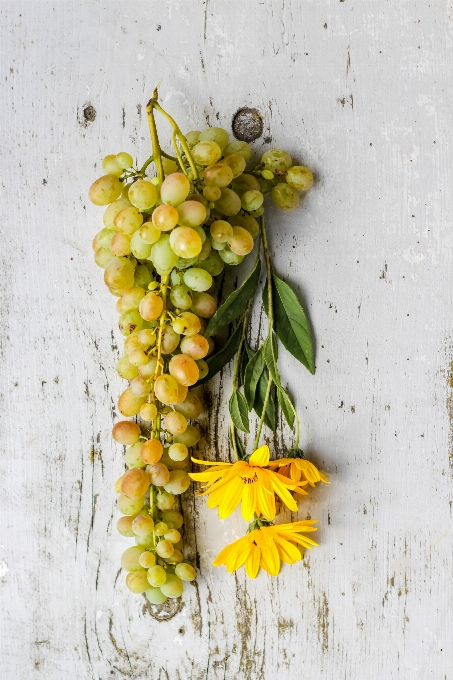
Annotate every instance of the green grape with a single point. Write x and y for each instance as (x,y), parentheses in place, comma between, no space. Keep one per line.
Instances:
(135,483)
(142,276)
(215,134)
(181,296)
(113,209)
(106,189)
(165,217)
(285,196)
(212,264)
(241,243)
(138,357)
(166,389)
(204,305)
(165,500)
(111,166)
(147,559)
(203,368)
(126,432)
(197,279)
(128,403)
(211,192)
(132,342)
(148,411)
(191,408)
(158,473)
(217,245)
(173,586)
(175,423)
(124,160)
(160,528)
(245,183)
(176,558)
(246,222)
(170,340)
(155,596)
(164,548)
(147,337)
(238,147)
(143,525)
(267,174)
(206,153)
(178,453)
(191,213)
(186,323)
(140,387)
(178,483)
(193,137)
(236,162)
(185,572)
(143,194)
(130,299)
(148,370)
(121,245)
(173,464)
(299,177)
(185,241)
(104,238)
(140,249)
(119,273)
(151,306)
(229,202)
(190,437)
(130,557)
(102,257)
(183,369)
(185,263)
(276,160)
(201,233)
(173,517)
(194,346)
(221,231)
(125,192)
(219,175)
(205,250)
(156,576)
(169,166)
(137,581)
(252,200)
(163,256)
(128,220)
(125,369)
(130,321)
(124,526)
(258,212)
(265,185)
(229,257)
(129,506)
(182,394)
(149,233)
(174,189)
(132,457)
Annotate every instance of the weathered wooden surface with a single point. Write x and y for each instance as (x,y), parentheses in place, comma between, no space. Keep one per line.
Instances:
(362,92)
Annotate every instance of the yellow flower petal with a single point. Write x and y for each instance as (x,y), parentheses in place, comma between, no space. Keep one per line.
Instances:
(209,462)
(249,500)
(231,500)
(266,497)
(287,551)
(283,492)
(260,457)
(252,563)
(270,559)
(226,553)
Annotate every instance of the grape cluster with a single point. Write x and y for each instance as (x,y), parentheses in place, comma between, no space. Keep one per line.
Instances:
(163,241)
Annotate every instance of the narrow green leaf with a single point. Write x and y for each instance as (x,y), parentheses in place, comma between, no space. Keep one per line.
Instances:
(270,418)
(283,401)
(217,361)
(239,411)
(239,446)
(291,322)
(235,303)
(252,375)
(270,357)
(247,354)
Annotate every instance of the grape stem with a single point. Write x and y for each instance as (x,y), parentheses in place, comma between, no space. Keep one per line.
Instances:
(159,364)
(182,140)
(157,153)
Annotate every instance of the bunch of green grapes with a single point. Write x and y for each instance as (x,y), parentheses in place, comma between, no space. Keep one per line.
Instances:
(164,240)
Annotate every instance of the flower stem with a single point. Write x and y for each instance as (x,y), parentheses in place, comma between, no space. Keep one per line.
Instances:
(269,275)
(235,375)
(263,414)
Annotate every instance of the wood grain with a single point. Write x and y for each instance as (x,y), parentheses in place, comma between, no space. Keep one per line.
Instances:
(361,92)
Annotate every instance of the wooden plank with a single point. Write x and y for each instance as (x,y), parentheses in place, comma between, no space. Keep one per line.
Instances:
(359,91)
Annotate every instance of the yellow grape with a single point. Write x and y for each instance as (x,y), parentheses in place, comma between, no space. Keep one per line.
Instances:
(175,189)
(126,432)
(135,483)
(183,369)
(151,451)
(143,194)
(105,190)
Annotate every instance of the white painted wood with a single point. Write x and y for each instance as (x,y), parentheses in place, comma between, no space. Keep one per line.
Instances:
(360,91)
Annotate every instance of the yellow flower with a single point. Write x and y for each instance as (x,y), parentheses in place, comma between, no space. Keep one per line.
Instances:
(300,471)
(252,483)
(266,547)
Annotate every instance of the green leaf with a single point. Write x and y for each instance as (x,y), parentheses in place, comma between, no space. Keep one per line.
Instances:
(270,418)
(235,303)
(247,354)
(285,406)
(217,361)
(239,446)
(291,322)
(270,357)
(239,411)
(252,375)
